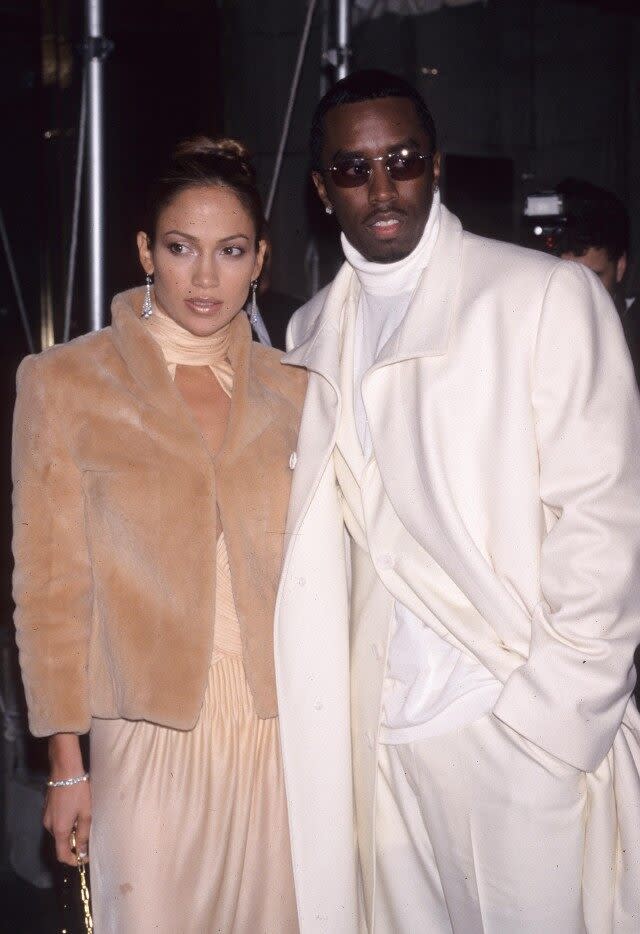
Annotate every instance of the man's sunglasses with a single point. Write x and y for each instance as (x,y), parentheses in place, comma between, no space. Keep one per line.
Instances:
(403,165)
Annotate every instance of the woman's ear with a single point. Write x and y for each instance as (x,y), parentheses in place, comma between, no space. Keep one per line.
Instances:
(144,252)
(260,255)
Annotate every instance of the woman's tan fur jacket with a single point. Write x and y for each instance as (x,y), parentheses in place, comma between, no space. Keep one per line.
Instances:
(115,525)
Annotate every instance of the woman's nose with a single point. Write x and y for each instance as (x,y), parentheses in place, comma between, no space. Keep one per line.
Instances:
(205,274)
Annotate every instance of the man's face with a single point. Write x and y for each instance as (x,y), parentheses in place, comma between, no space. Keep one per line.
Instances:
(383,219)
(609,271)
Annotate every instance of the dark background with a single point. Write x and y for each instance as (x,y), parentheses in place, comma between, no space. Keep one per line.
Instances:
(524,92)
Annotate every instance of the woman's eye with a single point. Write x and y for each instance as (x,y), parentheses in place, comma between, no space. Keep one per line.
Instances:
(233,251)
(177,248)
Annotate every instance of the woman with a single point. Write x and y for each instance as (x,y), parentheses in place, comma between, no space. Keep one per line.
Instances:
(151,473)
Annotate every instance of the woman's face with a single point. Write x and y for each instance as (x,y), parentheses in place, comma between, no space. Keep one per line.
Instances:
(203,258)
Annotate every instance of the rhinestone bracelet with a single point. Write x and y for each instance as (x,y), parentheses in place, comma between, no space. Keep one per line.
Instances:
(68,782)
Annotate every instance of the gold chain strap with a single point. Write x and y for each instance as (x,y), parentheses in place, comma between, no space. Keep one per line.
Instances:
(84,887)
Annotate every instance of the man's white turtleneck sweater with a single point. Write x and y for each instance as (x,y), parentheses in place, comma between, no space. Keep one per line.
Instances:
(430,686)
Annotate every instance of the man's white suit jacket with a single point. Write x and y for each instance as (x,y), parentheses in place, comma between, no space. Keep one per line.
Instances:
(506,429)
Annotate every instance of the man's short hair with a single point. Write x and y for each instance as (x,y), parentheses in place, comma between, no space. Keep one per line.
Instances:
(366,85)
(594,218)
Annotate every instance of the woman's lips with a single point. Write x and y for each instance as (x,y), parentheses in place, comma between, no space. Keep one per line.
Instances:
(203,306)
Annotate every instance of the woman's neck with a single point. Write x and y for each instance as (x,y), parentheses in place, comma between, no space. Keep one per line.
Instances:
(182,348)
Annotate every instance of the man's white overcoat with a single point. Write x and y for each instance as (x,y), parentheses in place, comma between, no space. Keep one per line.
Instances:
(506,428)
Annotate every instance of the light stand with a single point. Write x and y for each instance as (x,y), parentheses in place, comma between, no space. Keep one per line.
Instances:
(97,48)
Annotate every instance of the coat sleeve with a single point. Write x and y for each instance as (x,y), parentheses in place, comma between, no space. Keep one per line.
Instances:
(52,583)
(571,694)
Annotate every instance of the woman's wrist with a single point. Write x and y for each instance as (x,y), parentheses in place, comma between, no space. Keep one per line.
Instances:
(65,757)
(68,782)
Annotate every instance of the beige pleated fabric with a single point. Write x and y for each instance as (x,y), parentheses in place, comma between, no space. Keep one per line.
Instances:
(190,832)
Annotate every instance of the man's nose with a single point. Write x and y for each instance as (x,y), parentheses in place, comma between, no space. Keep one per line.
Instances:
(382,188)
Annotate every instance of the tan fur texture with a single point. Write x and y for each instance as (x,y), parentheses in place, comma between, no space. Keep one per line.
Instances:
(115,500)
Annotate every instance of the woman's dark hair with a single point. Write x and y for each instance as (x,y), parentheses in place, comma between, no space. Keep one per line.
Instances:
(366,85)
(202,162)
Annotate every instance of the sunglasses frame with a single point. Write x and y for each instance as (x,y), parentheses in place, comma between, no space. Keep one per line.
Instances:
(365,179)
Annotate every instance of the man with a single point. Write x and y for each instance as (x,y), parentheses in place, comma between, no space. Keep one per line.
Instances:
(597,235)
(472,416)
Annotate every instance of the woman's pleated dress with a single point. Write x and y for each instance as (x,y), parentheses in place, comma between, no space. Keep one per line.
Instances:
(189,828)
(190,831)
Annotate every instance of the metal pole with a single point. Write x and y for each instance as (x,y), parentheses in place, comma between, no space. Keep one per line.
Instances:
(343,31)
(95,201)
(4,236)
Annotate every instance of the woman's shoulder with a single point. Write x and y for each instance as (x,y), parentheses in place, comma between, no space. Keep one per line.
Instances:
(291,381)
(64,361)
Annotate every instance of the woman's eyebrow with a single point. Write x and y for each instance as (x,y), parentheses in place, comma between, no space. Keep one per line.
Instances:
(181,233)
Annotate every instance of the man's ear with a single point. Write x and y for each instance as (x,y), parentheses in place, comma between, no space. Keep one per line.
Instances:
(144,252)
(320,186)
(437,165)
(621,268)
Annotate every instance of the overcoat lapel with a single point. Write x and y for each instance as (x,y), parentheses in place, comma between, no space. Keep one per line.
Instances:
(320,354)
(426,328)
(394,396)
(394,403)
(424,333)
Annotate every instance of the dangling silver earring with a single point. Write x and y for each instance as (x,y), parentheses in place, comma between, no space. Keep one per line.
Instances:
(436,186)
(328,209)
(253,313)
(147,305)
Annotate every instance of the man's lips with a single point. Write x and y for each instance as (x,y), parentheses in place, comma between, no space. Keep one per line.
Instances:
(204,306)
(385,224)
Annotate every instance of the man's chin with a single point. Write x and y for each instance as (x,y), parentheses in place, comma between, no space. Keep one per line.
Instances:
(385,252)
(384,249)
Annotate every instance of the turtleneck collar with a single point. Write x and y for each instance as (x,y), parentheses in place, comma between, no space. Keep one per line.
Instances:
(401,276)
(181,348)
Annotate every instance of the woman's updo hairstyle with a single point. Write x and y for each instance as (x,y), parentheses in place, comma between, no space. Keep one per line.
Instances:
(203,162)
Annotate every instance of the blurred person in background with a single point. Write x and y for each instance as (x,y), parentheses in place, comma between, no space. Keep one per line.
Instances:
(151,481)
(596,234)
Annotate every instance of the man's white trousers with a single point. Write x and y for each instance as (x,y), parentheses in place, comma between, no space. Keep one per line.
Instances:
(481,832)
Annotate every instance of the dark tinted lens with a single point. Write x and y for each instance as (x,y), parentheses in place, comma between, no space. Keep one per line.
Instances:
(403,167)
(349,173)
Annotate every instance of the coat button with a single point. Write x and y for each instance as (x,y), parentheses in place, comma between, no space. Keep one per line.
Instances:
(376,651)
(369,738)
